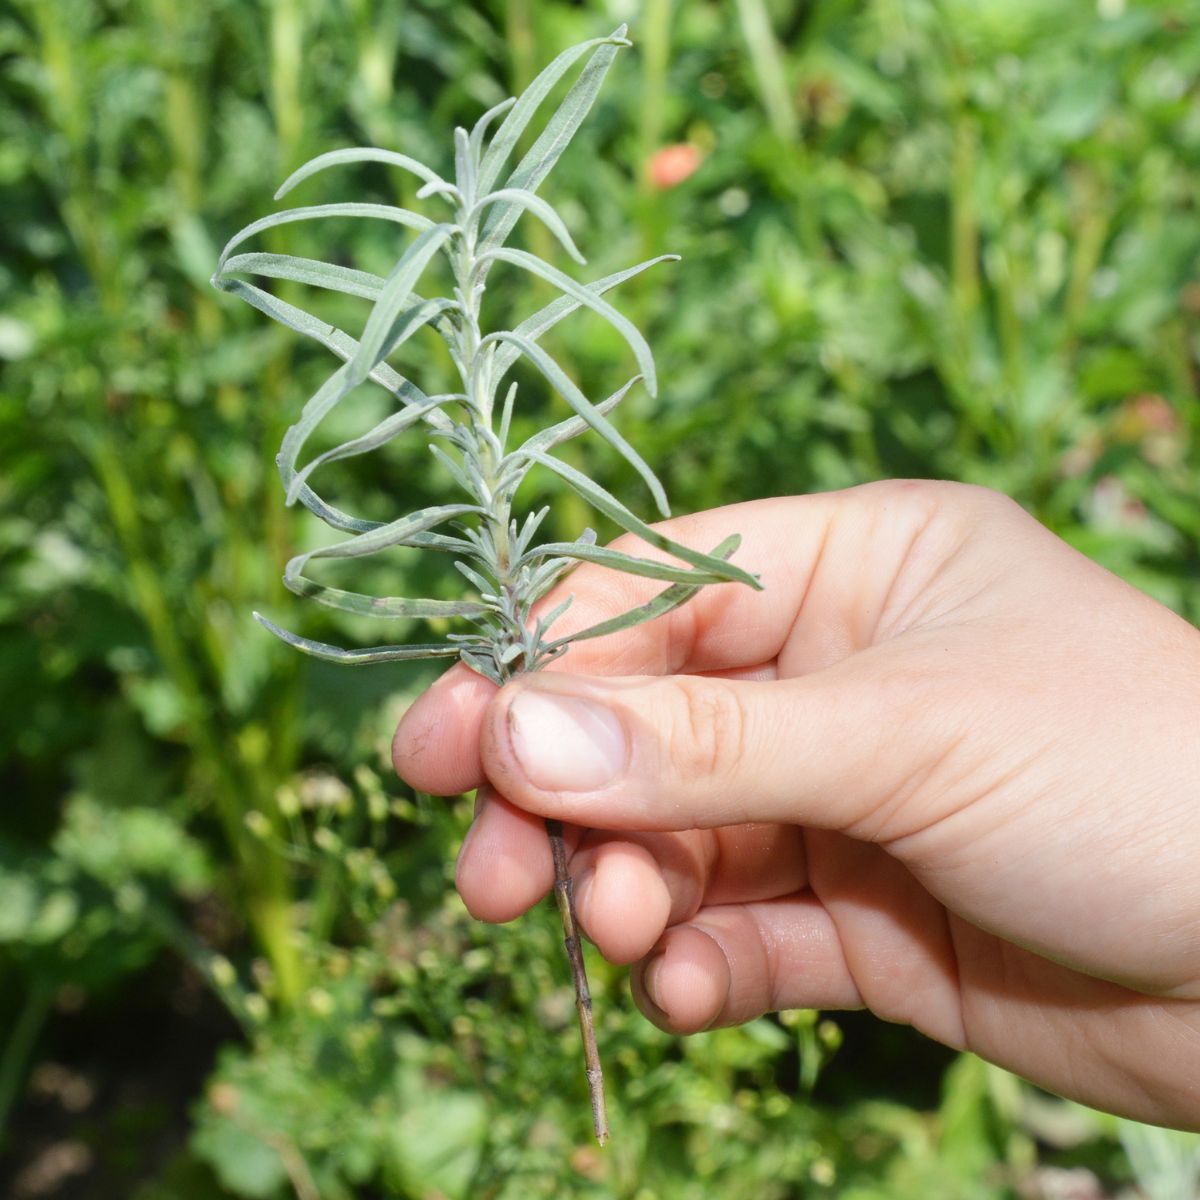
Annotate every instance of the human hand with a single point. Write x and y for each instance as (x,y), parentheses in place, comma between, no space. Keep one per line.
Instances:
(943,767)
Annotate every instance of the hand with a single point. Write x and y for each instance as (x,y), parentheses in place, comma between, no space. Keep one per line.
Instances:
(943,767)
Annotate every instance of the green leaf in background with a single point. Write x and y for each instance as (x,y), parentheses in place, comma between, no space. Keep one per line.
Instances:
(435,1140)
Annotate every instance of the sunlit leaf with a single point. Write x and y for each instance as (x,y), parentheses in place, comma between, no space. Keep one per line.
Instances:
(540,209)
(357,154)
(527,104)
(481,127)
(665,602)
(611,507)
(380,606)
(566,388)
(343,381)
(375,343)
(464,163)
(369,654)
(589,299)
(382,433)
(546,439)
(309,270)
(340,342)
(380,212)
(546,318)
(630,564)
(394,533)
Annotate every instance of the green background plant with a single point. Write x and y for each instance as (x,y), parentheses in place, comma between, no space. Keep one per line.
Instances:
(953,238)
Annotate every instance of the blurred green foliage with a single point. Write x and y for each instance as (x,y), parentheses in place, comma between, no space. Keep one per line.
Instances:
(952,238)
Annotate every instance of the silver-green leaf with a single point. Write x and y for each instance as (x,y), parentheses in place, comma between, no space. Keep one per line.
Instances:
(313,212)
(540,209)
(343,381)
(337,340)
(370,654)
(589,299)
(392,300)
(527,104)
(566,388)
(648,568)
(611,507)
(382,433)
(559,131)
(546,318)
(356,154)
(665,602)
(381,606)
(308,270)
(394,533)
(546,439)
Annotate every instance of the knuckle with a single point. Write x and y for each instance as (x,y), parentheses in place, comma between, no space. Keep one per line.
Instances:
(708,733)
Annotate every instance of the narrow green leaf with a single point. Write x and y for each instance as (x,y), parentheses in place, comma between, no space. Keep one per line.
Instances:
(545,440)
(394,533)
(381,606)
(481,665)
(506,416)
(544,623)
(545,152)
(646,567)
(524,108)
(769,69)
(540,209)
(396,293)
(440,541)
(340,342)
(663,603)
(309,270)
(562,383)
(546,318)
(589,299)
(370,654)
(473,577)
(334,516)
(342,382)
(336,519)
(456,471)
(544,578)
(440,188)
(334,158)
(380,435)
(381,212)
(464,165)
(484,124)
(611,507)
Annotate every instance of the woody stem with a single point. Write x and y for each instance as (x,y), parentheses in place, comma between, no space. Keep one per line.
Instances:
(564,893)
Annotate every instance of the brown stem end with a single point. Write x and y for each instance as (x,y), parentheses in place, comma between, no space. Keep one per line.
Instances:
(564,894)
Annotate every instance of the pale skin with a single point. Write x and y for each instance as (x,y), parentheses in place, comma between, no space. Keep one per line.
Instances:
(942,767)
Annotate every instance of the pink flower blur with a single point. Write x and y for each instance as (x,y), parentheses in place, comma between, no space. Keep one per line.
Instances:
(673,164)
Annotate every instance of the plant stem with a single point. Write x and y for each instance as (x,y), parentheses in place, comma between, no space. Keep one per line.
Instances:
(21,1039)
(770,69)
(508,630)
(564,894)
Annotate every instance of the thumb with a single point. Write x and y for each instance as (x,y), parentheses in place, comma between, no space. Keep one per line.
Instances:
(684,752)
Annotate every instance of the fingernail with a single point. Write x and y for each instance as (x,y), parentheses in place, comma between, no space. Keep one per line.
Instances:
(650,974)
(481,802)
(564,743)
(581,887)
(482,795)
